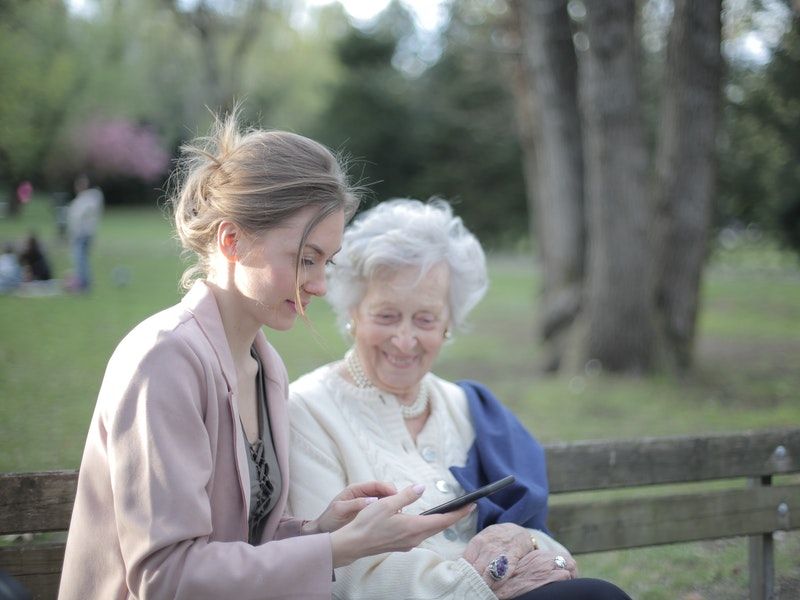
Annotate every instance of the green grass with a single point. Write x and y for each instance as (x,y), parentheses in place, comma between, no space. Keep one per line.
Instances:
(53,351)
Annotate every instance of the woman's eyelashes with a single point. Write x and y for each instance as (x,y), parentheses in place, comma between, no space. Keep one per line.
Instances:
(423,321)
(310,261)
(426,321)
(386,318)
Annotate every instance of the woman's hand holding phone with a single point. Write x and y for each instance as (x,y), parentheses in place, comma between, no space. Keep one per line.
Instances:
(382,527)
(470,497)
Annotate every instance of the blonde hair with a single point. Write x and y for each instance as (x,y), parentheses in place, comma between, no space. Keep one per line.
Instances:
(256,179)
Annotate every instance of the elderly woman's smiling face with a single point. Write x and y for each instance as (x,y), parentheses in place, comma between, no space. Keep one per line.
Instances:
(400,325)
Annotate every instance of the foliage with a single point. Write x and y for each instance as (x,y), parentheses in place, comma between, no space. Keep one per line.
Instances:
(442,126)
(760,154)
(289,70)
(368,116)
(137,62)
(448,131)
(468,139)
(38,75)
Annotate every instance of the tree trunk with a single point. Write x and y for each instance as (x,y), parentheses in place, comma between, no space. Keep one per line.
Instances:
(632,302)
(619,319)
(219,34)
(546,99)
(685,171)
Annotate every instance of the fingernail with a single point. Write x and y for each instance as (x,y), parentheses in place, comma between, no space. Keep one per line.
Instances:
(472,507)
(419,488)
(370,499)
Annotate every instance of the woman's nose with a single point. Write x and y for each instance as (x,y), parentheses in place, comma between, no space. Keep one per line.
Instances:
(405,339)
(316,286)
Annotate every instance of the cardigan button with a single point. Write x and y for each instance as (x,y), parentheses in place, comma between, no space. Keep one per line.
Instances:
(450,535)
(442,486)
(429,454)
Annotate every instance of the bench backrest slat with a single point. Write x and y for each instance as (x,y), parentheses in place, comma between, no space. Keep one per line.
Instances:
(35,566)
(33,502)
(597,465)
(586,526)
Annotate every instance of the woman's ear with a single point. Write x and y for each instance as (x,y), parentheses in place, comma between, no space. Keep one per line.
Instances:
(228,235)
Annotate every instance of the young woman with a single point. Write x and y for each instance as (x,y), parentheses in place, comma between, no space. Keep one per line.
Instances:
(184,478)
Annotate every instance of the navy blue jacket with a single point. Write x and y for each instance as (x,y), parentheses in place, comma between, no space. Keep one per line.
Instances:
(503,447)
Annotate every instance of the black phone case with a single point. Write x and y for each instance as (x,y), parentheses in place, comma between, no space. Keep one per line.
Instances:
(457,503)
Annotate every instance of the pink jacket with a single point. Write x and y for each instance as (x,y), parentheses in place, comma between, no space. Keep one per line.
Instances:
(163,492)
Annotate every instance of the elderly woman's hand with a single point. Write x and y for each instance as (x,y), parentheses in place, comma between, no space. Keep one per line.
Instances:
(535,569)
(527,567)
(506,539)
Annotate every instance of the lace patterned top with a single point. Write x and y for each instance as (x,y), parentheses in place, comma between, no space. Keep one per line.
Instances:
(265,477)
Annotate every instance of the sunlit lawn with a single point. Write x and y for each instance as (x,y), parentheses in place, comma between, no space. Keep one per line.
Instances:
(53,351)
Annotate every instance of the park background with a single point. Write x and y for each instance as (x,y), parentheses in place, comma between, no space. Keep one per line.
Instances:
(421,107)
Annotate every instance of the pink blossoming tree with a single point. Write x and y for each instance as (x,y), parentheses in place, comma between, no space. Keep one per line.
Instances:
(117,148)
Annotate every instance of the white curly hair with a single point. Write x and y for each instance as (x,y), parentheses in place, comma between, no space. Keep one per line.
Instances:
(404,232)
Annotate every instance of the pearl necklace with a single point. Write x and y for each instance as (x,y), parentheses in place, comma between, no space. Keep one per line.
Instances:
(409,411)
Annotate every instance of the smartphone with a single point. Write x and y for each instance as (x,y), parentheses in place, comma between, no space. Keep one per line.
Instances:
(457,503)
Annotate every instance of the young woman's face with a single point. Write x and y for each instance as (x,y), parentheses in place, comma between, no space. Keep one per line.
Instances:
(264,276)
(400,325)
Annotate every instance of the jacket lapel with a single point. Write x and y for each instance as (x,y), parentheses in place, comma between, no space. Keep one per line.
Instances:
(201,303)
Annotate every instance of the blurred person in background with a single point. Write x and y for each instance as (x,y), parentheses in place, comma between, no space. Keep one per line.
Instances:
(10,269)
(24,192)
(33,260)
(184,480)
(83,218)
(406,278)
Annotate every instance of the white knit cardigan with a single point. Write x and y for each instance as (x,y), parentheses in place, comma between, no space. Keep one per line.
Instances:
(342,434)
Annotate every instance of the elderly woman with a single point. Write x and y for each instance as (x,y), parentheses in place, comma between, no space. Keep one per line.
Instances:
(406,278)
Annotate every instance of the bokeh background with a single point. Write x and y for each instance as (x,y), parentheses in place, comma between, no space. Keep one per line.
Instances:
(631,167)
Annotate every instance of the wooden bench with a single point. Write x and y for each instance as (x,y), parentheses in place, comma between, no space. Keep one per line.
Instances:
(753,505)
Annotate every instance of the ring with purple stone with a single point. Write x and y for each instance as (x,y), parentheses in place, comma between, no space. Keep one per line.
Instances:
(498,568)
